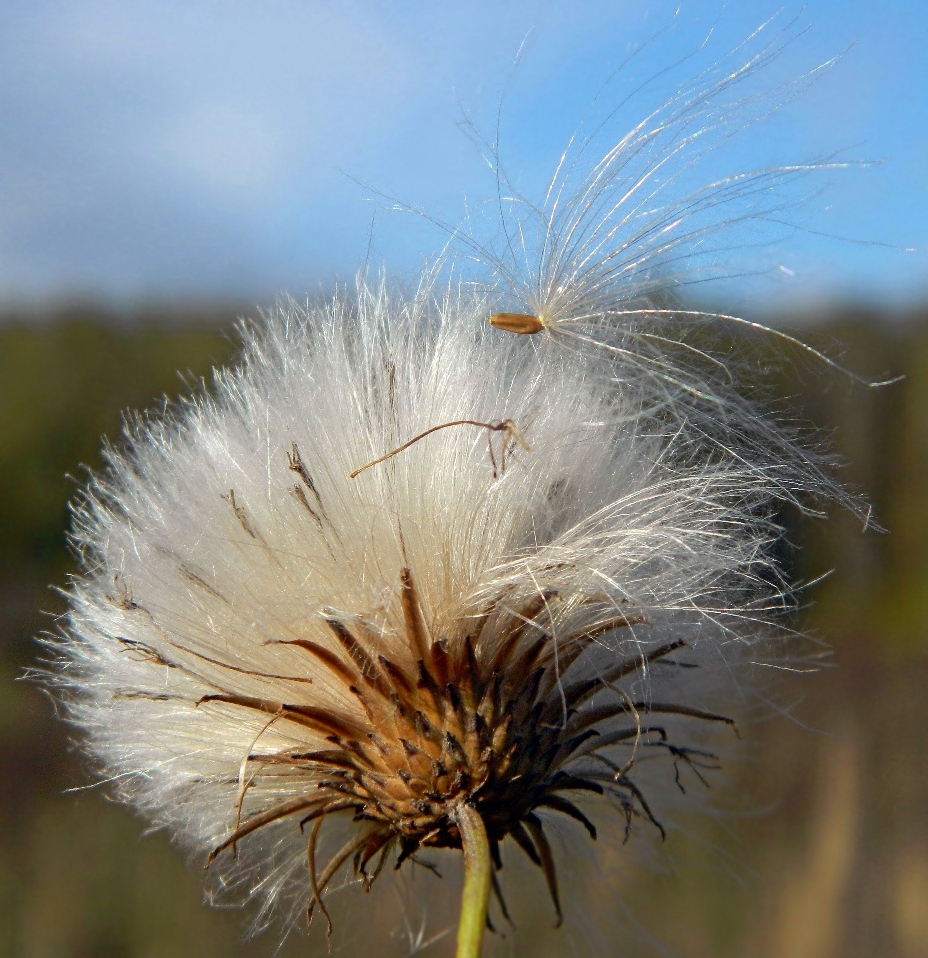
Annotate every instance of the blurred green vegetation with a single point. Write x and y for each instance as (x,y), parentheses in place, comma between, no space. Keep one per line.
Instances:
(834,862)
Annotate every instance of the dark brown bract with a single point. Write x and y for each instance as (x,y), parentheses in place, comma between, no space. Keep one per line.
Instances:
(496,720)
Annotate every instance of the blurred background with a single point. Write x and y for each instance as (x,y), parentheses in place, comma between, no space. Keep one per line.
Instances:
(167,167)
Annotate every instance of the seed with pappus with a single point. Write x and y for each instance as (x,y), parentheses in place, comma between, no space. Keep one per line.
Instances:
(404,581)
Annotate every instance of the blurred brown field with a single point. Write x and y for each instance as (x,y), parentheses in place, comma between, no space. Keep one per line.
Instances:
(831,858)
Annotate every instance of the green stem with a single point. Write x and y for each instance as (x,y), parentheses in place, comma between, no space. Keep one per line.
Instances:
(478,873)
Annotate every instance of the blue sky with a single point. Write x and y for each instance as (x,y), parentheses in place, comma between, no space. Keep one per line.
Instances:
(197,148)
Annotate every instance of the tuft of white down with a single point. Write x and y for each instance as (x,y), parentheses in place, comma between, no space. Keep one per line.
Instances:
(201,557)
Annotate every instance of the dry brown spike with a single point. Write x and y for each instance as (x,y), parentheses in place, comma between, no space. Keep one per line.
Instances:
(242,671)
(416,632)
(336,862)
(261,819)
(325,656)
(533,824)
(314,879)
(309,716)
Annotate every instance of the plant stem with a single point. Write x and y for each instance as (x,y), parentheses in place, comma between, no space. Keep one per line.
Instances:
(478,872)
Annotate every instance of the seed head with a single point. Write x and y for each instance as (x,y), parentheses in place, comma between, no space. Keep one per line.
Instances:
(261,646)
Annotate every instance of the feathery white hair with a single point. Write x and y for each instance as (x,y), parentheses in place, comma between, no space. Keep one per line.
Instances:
(227,536)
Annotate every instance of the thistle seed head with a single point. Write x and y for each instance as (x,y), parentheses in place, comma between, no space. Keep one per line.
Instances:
(510,619)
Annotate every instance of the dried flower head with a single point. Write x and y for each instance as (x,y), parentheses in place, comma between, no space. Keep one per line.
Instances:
(403,580)
(260,642)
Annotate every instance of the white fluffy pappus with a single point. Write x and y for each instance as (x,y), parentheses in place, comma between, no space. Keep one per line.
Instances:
(259,638)
(646,203)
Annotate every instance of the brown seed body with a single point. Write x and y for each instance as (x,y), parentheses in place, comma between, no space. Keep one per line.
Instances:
(517,323)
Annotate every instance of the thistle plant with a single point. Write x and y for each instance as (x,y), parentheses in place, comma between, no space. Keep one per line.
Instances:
(406,580)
